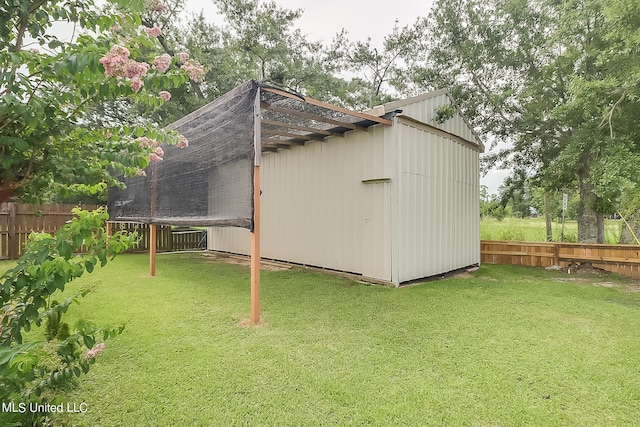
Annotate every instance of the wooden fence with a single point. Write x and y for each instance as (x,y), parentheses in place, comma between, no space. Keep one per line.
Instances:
(18,221)
(621,259)
(168,239)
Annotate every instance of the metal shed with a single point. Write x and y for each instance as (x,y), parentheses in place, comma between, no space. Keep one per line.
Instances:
(394,203)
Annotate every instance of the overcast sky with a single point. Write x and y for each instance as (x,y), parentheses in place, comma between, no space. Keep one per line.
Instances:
(322,19)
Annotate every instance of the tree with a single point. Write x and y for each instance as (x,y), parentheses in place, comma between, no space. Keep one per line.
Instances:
(260,41)
(255,40)
(380,73)
(49,135)
(550,79)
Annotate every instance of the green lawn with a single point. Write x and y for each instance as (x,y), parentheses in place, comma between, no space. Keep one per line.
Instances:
(534,230)
(504,346)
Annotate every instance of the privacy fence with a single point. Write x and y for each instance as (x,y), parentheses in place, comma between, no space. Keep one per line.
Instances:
(18,221)
(621,259)
(168,239)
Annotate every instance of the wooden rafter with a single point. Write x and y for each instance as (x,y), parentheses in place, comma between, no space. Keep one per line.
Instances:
(292,135)
(280,142)
(302,128)
(326,105)
(297,128)
(308,116)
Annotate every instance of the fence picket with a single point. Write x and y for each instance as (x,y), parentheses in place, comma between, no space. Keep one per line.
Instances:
(18,221)
(620,259)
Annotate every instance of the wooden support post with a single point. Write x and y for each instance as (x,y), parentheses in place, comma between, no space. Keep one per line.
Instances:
(152,227)
(14,238)
(152,249)
(255,249)
(109,231)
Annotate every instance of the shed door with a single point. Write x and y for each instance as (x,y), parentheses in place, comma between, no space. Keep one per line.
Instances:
(376,230)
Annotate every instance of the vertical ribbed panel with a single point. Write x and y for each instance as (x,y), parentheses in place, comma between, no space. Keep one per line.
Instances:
(317,211)
(439,204)
(425,111)
(418,216)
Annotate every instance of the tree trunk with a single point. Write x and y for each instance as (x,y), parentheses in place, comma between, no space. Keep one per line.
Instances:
(548,215)
(600,227)
(626,236)
(590,223)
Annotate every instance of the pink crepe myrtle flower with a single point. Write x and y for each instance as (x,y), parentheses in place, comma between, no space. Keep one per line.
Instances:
(115,61)
(133,69)
(162,62)
(183,56)
(117,49)
(195,71)
(144,142)
(118,64)
(136,84)
(97,349)
(164,95)
(154,158)
(182,142)
(154,31)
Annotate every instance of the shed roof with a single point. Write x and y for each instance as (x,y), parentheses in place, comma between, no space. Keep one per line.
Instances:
(289,118)
(423,108)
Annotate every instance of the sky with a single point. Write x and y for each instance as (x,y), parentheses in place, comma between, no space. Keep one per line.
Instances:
(322,19)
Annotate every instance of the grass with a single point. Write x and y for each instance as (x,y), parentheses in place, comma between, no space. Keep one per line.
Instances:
(534,230)
(504,346)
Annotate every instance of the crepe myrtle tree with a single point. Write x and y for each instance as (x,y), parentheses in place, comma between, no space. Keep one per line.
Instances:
(32,370)
(49,88)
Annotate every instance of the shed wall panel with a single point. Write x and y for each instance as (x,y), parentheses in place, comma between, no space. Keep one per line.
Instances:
(317,211)
(439,204)
(418,215)
(425,111)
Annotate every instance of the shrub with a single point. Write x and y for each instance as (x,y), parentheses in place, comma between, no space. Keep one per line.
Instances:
(31,372)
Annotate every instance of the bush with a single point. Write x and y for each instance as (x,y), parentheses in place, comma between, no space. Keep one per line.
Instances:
(30,373)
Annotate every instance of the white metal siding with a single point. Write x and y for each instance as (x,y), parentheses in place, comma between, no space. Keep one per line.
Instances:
(417,217)
(317,211)
(425,111)
(439,204)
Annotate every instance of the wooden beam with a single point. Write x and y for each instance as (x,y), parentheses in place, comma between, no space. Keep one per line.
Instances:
(599,259)
(303,128)
(518,253)
(280,143)
(152,249)
(292,135)
(308,116)
(327,105)
(14,244)
(255,249)
(109,231)
(152,227)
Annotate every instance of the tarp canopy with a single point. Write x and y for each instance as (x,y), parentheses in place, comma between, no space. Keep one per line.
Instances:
(210,183)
